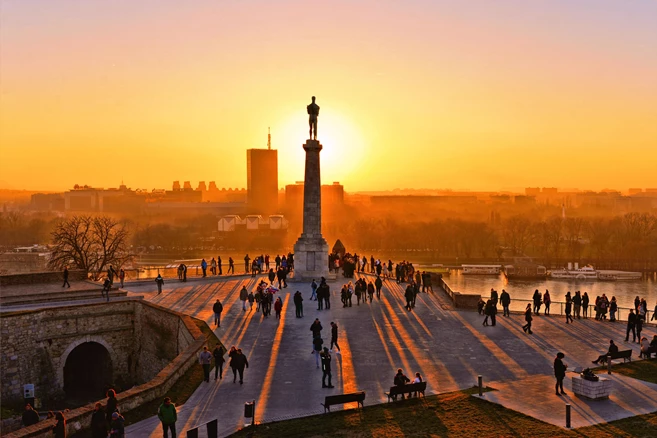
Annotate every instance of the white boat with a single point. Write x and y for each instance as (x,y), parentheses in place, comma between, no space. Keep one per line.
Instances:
(481,269)
(619,275)
(585,273)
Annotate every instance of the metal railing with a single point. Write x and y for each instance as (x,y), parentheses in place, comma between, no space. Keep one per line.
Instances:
(518,305)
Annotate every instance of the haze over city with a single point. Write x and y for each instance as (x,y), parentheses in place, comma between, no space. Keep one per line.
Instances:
(476,95)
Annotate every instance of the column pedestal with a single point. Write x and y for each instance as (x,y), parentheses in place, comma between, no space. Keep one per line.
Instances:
(311,250)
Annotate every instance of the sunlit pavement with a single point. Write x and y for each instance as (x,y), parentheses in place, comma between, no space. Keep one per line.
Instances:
(449,348)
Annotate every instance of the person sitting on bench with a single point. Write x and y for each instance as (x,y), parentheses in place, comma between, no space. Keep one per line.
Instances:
(613,349)
(418,379)
(401,379)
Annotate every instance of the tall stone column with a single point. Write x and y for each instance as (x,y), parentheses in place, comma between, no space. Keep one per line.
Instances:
(311,250)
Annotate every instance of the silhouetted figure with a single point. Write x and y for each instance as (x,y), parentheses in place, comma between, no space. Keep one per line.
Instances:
(313,112)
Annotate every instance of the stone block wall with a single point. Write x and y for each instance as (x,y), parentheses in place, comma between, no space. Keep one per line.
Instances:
(80,418)
(40,278)
(141,339)
(35,344)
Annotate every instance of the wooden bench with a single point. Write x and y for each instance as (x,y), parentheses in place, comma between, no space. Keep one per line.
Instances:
(354,397)
(406,389)
(626,355)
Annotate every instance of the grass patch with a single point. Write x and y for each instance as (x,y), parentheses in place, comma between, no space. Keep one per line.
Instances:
(450,414)
(643,370)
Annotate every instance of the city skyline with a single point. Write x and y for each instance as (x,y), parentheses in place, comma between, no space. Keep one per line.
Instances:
(431,95)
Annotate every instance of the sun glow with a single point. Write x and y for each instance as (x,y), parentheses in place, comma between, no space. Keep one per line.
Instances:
(343,152)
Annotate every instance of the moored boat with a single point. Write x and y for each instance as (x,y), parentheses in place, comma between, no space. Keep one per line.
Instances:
(481,269)
(610,275)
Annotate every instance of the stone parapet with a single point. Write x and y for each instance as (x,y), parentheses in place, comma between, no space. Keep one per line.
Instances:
(41,278)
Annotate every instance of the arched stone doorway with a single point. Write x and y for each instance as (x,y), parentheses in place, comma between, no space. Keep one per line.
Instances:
(87,371)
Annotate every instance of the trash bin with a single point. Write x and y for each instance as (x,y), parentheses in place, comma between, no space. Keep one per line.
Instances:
(249,413)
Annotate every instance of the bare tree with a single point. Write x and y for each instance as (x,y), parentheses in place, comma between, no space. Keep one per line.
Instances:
(90,244)
(518,234)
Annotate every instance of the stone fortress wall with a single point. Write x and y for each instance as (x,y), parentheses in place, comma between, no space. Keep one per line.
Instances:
(148,345)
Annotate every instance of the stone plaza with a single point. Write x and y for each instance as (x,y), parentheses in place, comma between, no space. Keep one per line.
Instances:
(449,347)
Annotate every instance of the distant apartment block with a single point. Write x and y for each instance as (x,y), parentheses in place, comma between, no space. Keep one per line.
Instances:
(262,180)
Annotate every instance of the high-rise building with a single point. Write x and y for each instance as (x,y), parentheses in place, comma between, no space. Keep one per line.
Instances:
(262,180)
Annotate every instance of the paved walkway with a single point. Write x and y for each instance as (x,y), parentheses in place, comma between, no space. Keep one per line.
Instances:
(449,348)
(534,396)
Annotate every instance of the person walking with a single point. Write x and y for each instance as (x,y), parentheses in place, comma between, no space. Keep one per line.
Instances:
(326,368)
(505,299)
(121,276)
(217,308)
(59,429)
(527,328)
(631,326)
(313,288)
(250,299)
(238,363)
(204,267)
(537,302)
(334,337)
(317,348)
(585,305)
(316,328)
(568,310)
(298,304)
(205,359)
(218,355)
(547,301)
(577,305)
(244,295)
(370,291)
(409,297)
(278,306)
(559,373)
(219,267)
(65,274)
(168,416)
(111,405)
(231,266)
(159,281)
(117,427)
(378,283)
(98,422)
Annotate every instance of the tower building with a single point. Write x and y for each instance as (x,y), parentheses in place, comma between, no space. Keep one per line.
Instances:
(262,179)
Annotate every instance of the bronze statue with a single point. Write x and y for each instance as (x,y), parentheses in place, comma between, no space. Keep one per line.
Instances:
(313,112)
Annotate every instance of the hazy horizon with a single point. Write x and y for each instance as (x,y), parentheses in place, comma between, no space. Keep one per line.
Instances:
(478,96)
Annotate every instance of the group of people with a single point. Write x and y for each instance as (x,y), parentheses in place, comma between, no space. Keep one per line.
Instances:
(362,289)
(238,362)
(262,263)
(323,353)
(401,380)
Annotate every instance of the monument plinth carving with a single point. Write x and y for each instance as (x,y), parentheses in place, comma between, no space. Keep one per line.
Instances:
(311,250)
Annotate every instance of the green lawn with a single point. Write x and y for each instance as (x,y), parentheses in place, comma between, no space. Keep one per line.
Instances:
(450,414)
(642,370)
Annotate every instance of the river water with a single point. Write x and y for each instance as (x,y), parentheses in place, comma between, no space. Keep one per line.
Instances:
(624,291)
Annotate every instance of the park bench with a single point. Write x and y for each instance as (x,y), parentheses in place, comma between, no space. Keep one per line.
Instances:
(626,355)
(330,400)
(406,389)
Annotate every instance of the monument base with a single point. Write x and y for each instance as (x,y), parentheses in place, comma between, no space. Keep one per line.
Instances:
(310,260)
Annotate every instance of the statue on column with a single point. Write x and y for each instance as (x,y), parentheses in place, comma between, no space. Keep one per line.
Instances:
(313,112)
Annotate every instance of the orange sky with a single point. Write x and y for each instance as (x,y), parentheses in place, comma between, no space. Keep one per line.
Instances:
(421,93)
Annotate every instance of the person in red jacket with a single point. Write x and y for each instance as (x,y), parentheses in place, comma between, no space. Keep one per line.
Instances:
(278,306)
